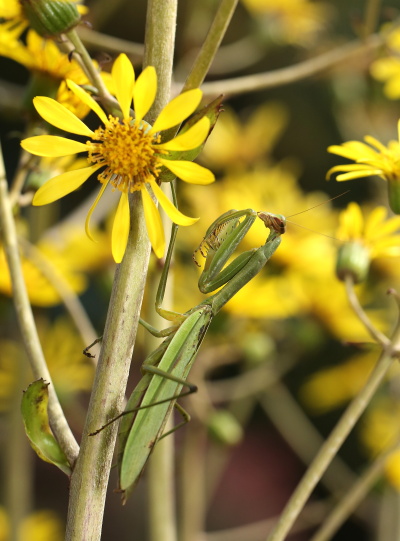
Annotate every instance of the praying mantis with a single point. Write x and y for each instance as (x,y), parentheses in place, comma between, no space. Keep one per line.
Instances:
(166,369)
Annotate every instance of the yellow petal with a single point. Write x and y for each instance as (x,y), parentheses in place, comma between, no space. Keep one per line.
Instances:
(189,171)
(172,212)
(57,115)
(177,110)
(89,214)
(61,185)
(123,77)
(358,174)
(192,138)
(144,92)
(120,230)
(87,100)
(374,222)
(52,146)
(154,224)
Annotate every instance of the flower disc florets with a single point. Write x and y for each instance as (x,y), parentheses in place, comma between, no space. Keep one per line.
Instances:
(128,153)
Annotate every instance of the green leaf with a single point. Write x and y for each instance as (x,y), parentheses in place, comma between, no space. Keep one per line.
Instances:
(211,111)
(34,413)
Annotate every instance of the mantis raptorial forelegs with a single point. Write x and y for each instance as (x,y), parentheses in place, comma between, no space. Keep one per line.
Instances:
(166,369)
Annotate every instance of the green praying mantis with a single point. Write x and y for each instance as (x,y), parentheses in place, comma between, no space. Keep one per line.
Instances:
(166,369)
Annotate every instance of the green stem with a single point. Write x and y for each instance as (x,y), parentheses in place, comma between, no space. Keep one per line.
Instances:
(211,44)
(159,52)
(331,446)
(90,476)
(26,321)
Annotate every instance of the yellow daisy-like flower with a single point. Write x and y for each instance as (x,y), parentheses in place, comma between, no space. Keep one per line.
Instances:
(129,151)
(387,68)
(378,234)
(371,159)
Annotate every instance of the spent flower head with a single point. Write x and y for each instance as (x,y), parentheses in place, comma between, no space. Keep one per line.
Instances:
(127,150)
(371,159)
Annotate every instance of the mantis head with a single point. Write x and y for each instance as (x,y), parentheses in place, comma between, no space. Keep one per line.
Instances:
(274,222)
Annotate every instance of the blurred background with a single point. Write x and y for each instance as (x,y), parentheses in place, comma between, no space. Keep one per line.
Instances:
(285,356)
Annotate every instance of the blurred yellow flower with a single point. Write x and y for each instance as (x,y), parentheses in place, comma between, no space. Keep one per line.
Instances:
(380,430)
(297,22)
(71,371)
(387,68)
(233,143)
(377,233)
(41,525)
(131,151)
(49,67)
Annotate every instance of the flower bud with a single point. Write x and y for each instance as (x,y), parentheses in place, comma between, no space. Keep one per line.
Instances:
(224,428)
(394,195)
(353,258)
(50,17)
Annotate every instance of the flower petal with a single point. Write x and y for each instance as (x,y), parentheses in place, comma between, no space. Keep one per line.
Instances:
(144,92)
(177,110)
(173,213)
(154,224)
(359,174)
(120,230)
(89,214)
(59,116)
(123,77)
(52,146)
(189,171)
(61,185)
(192,138)
(87,100)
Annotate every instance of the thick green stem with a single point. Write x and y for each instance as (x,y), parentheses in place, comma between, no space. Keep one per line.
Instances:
(159,52)
(90,477)
(211,44)
(27,324)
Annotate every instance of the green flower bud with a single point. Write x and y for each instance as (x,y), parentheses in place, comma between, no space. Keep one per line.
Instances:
(50,18)
(354,259)
(224,428)
(394,195)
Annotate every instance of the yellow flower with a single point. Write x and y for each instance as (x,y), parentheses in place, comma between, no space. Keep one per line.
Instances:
(378,234)
(387,68)
(129,151)
(371,159)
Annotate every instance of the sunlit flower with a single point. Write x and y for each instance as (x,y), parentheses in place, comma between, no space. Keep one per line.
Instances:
(378,234)
(129,151)
(292,21)
(371,159)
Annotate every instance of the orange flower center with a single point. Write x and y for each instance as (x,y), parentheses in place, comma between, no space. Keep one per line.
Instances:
(127,152)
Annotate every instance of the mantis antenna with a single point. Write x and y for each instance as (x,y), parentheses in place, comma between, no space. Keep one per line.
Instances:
(315,206)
